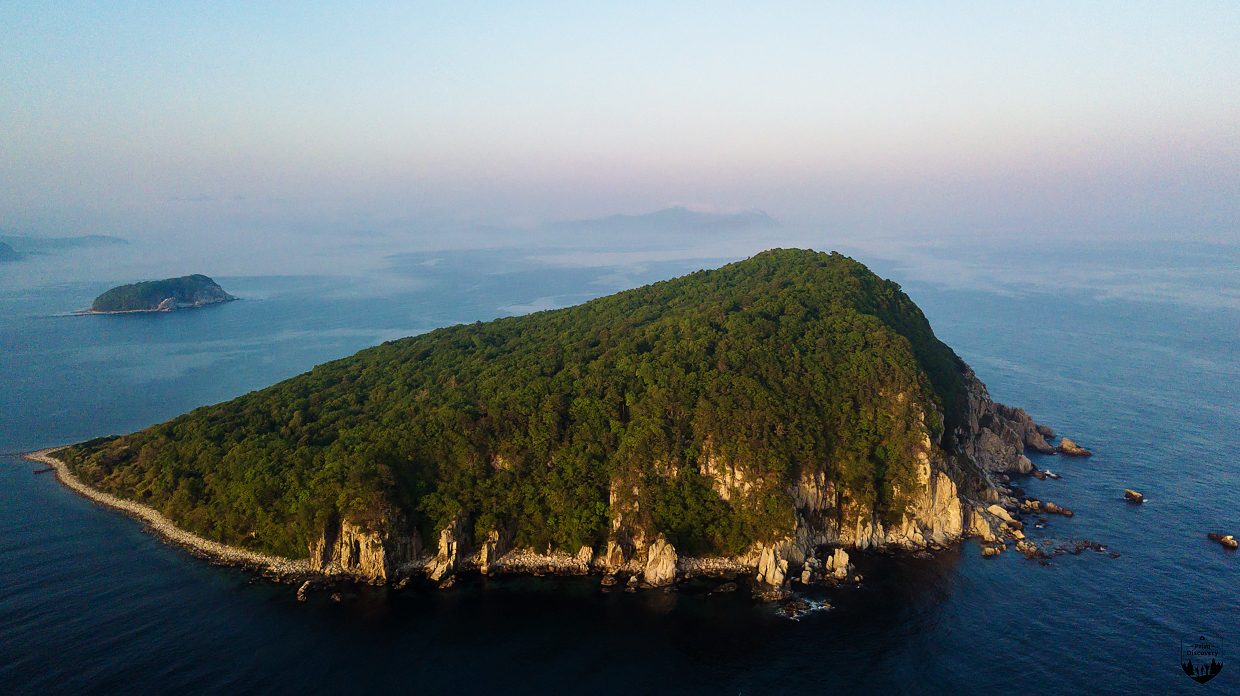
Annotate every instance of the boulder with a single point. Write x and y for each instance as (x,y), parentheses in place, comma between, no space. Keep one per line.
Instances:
(1030,550)
(1072,449)
(1133,496)
(1001,514)
(980,526)
(1046,432)
(991,551)
(771,567)
(1227,540)
(661,563)
(837,564)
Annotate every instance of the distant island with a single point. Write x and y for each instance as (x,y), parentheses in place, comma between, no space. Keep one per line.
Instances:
(8,253)
(161,296)
(37,245)
(762,417)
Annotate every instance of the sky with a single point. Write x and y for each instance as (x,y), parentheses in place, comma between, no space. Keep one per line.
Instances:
(177,120)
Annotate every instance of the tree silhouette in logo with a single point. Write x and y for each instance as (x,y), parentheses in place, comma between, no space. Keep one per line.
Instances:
(1202,673)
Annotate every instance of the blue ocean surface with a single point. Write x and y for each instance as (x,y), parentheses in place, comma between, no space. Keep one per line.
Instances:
(1131,351)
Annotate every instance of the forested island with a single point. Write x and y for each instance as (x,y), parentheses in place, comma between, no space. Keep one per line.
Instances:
(161,295)
(761,414)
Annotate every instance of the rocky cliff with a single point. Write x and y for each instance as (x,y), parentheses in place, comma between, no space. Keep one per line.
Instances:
(957,494)
(358,550)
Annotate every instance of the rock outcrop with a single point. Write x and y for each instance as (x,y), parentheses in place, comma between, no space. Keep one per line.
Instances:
(1133,496)
(661,564)
(956,494)
(495,546)
(1071,449)
(995,436)
(837,565)
(362,551)
(772,569)
(1031,434)
(1228,541)
(453,545)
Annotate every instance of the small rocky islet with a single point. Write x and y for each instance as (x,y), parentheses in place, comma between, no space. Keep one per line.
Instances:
(767,420)
(168,295)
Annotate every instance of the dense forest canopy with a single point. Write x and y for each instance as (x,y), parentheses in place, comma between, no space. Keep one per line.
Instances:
(148,294)
(788,363)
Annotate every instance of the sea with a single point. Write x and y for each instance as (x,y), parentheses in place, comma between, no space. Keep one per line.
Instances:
(1130,348)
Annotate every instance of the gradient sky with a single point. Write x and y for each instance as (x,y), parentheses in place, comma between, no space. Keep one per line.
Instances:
(1039,118)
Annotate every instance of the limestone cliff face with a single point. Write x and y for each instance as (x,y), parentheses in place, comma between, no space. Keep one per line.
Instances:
(371,554)
(494,548)
(453,548)
(949,500)
(627,540)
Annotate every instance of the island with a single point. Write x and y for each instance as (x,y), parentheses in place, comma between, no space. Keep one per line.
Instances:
(8,253)
(768,417)
(160,296)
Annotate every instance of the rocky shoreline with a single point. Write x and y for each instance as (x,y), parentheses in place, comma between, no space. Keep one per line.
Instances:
(163,308)
(963,495)
(305,573)
(276,567)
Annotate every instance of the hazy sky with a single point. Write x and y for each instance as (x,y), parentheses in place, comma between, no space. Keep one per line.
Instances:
(1037,118)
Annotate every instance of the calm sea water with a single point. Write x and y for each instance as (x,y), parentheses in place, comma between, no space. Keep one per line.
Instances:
(1132,352)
